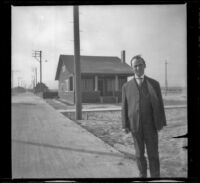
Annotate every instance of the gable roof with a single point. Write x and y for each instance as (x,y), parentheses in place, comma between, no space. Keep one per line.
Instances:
(95,65)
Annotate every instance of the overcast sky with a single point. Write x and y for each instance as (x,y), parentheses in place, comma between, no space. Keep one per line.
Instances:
(157,32)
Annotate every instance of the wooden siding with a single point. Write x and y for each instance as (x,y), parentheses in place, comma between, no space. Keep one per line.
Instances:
(65,83)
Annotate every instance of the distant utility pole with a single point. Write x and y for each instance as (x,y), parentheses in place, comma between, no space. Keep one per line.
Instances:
(34,69)
(12,77)
(33,82)
(166,84)
(36,55)
(77,64)
(19,79)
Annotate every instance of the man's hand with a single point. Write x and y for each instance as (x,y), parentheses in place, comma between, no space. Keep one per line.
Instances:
(126,130)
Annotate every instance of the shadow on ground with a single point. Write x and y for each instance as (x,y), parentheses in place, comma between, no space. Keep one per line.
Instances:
(68,148)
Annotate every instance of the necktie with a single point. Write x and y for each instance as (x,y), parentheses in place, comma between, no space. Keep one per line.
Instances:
(139,81)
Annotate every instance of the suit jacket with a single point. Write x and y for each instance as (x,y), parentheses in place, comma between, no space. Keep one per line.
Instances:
(130,104)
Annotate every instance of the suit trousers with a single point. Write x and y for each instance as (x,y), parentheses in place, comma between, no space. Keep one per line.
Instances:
(147,135)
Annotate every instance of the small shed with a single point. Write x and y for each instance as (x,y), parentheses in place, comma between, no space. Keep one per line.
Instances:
(102,78)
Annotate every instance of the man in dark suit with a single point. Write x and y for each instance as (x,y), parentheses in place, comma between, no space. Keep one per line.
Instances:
(143,115)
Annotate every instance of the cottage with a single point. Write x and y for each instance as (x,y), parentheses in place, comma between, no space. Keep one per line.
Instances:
(102,78)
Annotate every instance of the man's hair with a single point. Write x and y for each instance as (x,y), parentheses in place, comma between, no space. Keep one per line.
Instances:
(138,57)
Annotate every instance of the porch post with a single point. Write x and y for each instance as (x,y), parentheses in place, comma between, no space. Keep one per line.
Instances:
(116,83)
(96,83)
(73,83)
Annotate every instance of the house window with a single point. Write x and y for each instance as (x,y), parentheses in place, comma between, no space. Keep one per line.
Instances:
(71,87)
(68,84)
(87,84)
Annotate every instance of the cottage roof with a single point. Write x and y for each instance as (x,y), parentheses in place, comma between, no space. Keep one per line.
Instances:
(95,65)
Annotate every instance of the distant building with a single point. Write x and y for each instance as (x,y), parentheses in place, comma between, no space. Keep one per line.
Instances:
(102,78)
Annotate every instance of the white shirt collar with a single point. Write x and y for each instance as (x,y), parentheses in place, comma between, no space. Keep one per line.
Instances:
(136,77)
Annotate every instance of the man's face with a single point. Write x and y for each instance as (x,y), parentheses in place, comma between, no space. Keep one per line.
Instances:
(138,67)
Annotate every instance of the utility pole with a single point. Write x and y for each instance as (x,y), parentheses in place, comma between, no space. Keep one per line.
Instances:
(166,84)
(77,64)
(40,66)
(35,76)
(36,55)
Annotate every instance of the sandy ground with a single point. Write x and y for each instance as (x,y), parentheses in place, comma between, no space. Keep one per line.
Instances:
(173,158)
(107,126)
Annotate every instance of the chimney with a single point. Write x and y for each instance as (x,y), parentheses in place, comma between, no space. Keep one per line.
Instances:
(123,56)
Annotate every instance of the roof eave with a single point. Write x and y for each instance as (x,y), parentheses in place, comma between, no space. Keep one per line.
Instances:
(98,73)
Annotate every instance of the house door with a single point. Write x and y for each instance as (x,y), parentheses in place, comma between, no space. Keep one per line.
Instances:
(101,86)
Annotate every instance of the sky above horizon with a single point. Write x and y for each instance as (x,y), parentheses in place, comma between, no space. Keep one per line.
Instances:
(157,32)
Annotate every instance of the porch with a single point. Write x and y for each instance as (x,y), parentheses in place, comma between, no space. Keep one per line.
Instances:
(102,88)
(94,88)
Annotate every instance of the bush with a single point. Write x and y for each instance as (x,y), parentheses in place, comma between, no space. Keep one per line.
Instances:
(41,87)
